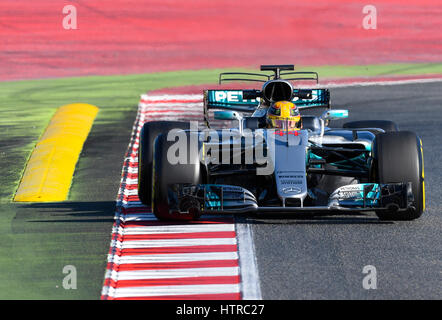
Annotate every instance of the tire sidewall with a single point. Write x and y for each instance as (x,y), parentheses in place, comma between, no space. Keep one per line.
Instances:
(148,134)
(166,174)
(398,157)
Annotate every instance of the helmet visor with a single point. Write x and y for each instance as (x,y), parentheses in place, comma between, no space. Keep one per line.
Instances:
(284,123)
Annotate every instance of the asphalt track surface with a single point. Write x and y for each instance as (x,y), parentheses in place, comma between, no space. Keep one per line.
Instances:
(323,258)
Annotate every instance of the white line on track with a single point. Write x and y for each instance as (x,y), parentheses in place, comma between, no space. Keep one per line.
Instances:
(171,107)
(376,83)
(174,290)
(251,289)
(173,229)
(175,257)
(173,273)
(167,97)
(172,243)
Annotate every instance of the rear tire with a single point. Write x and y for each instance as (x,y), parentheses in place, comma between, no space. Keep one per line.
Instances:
(386,125)
(166,174)
(148,134)
(398,157)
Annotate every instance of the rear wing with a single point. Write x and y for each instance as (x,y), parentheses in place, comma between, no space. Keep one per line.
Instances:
(234,100)
(320,99)
(229,100)
(263,77)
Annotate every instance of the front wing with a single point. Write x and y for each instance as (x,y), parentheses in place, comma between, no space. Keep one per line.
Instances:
(227,199)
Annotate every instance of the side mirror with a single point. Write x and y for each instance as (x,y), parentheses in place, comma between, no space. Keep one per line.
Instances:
(227,115)
(334,114)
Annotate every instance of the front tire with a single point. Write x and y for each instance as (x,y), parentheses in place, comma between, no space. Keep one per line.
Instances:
(398,157)
(148,134)
(166,174)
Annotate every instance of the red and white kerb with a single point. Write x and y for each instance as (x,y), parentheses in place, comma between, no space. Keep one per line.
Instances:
(150,259)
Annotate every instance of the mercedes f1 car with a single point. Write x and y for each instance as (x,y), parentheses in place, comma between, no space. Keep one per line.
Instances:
(280,158)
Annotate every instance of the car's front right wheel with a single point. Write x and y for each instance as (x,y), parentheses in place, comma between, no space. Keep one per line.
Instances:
(148,134)
(168,174)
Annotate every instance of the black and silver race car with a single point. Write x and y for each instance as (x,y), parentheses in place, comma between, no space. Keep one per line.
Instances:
(186,170)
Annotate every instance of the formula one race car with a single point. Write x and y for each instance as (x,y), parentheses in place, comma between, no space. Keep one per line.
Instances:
(280,159)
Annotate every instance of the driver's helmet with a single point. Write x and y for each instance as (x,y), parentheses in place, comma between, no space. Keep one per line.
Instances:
(284,115)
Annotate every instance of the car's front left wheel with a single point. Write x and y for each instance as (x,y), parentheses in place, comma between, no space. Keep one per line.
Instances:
(398,157)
